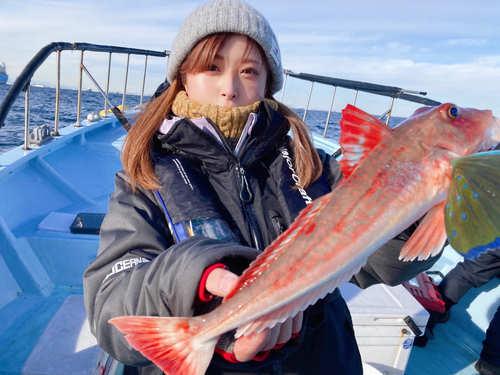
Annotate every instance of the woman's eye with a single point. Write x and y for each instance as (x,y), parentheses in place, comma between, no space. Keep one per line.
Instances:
(250,71)
(213,68)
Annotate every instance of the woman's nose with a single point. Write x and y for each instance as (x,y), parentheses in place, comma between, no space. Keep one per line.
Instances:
(229,88)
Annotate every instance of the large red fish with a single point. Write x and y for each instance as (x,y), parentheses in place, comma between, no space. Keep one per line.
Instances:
(392,178)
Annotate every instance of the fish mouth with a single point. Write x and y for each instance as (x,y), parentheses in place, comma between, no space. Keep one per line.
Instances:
(492,136)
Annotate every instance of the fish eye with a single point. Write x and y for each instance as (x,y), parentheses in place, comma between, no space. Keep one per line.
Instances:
(453,112)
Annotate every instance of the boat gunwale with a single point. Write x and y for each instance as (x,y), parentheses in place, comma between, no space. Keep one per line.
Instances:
(14,158)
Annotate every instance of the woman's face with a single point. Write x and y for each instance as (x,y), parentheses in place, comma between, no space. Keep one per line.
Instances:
(236,78)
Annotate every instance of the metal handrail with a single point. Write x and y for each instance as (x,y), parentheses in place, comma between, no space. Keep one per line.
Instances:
(390,91)
(22,82)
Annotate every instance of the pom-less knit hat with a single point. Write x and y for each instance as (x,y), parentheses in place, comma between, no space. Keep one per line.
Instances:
(227,16)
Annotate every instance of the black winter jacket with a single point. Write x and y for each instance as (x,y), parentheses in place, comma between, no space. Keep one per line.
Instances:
(140,270)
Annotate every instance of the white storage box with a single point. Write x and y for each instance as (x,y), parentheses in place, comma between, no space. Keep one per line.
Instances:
(378,313)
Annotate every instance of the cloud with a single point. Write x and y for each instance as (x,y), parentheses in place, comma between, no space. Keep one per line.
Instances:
(312,38)
(398,47)
(468,42)
(466,84)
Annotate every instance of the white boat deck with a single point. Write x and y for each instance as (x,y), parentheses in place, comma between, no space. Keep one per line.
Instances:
(41,262)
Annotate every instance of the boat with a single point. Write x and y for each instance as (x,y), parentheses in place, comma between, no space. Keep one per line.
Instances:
(60,174)
(3,74)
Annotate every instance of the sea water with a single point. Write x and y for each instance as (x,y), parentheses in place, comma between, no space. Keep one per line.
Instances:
(42,112)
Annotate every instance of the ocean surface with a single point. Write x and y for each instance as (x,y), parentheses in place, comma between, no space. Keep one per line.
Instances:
(42,110)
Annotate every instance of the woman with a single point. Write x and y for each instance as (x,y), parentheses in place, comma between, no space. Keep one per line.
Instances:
(212,151)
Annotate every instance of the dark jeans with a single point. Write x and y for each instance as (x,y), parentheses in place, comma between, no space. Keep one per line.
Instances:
(491,345)
(470,274)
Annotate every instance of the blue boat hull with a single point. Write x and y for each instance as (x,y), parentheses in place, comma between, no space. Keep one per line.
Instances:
(3,78)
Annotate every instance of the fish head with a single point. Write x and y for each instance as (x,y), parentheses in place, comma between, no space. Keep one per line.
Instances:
(461,131)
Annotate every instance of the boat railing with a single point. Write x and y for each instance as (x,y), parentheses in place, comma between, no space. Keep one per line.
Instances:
(389,91)
(22,83)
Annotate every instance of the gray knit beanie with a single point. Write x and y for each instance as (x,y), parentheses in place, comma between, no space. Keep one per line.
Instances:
(227,16)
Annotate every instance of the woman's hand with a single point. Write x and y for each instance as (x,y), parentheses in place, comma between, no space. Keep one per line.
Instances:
(219,283)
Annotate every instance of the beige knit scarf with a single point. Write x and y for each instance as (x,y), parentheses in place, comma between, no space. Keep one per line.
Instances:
(230,120)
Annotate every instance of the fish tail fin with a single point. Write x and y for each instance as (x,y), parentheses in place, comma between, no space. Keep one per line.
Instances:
(170,343)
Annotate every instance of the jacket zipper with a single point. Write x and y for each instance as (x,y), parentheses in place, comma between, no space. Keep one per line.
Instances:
(246,195)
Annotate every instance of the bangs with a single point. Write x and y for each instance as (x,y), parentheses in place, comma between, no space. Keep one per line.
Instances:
(202,56)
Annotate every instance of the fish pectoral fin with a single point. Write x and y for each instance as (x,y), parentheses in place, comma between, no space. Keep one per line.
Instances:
(360,133)
(472,212)
(170,343)
(429,237)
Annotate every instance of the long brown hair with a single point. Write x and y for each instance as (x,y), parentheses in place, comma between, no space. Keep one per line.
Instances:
(136,156)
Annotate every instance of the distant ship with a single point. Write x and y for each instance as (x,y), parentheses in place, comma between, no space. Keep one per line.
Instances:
(3,73)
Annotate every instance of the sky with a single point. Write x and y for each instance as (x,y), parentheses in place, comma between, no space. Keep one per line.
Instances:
(447,48)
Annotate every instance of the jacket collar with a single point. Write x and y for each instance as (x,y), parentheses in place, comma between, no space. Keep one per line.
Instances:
(206,126)
(200,139)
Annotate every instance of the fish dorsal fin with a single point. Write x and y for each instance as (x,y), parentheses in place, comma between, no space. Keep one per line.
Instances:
(472,212)
(360,133)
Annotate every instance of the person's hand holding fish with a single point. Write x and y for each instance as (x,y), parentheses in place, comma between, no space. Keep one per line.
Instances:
(219,283)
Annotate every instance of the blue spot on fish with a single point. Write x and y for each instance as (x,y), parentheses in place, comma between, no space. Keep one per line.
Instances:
(464,216)
(454,233)
(475,195)
(451,213)
(459,178)
(459,198)
(447,206)
(465,186)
